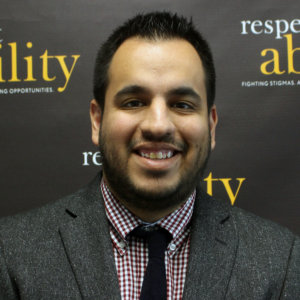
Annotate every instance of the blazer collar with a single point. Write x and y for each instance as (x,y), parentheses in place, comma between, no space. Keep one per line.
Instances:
(88,246)
(213,249)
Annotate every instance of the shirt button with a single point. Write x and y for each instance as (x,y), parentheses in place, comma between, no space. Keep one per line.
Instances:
(172,247)
(122,245)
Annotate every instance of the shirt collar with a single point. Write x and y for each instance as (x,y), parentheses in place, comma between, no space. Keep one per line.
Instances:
(124,221)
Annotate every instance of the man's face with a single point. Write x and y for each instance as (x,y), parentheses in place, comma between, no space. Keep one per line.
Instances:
(155,131)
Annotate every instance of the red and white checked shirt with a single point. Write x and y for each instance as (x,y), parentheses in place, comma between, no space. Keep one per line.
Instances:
(131,254)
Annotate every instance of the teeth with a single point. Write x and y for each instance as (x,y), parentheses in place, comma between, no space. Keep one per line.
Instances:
(157,155)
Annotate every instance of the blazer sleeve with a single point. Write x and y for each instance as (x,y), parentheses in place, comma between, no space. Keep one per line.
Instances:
(291,286)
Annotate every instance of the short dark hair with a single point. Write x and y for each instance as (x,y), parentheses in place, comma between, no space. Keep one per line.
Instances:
(153,26)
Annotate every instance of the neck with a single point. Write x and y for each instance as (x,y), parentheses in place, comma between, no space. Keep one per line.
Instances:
(147,215)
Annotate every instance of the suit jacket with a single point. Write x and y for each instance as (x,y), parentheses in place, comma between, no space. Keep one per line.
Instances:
(63,251)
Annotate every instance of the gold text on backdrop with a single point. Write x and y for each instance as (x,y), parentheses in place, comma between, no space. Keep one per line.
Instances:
(45,59)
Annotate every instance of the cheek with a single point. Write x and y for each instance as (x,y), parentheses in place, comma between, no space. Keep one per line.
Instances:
(119,128)
(195,133)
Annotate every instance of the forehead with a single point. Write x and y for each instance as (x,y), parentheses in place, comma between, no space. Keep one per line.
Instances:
(157,64)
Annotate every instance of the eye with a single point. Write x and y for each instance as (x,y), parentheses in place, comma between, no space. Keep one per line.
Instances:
(135,103)
(183,106)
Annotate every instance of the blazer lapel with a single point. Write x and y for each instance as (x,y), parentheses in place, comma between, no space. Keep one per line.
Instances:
(212,250)
(89,249)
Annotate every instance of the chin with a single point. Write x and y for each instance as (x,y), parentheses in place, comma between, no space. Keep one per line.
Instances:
(156,196)
(156,185)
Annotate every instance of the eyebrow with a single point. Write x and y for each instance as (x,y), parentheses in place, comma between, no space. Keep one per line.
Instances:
(184,91)
(132,89)
(180,91)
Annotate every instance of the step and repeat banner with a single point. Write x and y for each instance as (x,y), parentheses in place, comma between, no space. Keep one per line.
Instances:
(47,53)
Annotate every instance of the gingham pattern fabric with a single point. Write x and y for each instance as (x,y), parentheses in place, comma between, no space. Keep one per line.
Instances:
(131,253)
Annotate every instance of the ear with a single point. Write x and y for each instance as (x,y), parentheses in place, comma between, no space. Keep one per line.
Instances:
(95,115)
(213,121)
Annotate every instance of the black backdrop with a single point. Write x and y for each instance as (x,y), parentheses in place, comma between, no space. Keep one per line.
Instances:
(46,151)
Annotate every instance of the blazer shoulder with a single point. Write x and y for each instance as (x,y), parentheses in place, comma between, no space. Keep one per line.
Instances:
(254,227)
(45,219)
(263,238)
(267,243)
(267,252)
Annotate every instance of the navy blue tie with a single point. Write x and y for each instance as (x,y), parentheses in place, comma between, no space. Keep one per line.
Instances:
(155,282)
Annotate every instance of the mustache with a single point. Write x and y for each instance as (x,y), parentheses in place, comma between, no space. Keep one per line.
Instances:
(167,139)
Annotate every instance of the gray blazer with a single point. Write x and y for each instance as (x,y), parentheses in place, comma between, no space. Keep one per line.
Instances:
(63,251)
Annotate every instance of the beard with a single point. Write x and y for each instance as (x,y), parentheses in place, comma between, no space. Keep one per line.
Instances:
(124,189)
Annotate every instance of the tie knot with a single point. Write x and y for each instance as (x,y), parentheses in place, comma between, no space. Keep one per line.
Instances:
(157,238)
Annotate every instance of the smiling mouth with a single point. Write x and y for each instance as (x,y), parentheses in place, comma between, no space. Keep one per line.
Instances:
(157,155)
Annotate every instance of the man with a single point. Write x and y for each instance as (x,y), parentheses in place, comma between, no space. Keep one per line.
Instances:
(143,228)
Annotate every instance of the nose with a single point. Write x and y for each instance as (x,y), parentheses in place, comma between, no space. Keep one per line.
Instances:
(158,122)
